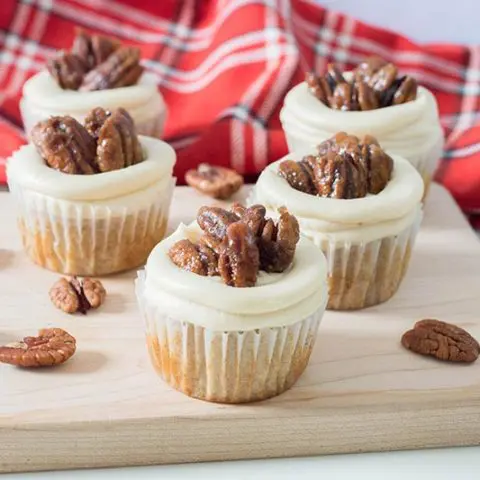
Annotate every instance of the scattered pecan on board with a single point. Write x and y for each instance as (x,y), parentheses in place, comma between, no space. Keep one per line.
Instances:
(217,182)
(77,294)
(52,346)
(441,340)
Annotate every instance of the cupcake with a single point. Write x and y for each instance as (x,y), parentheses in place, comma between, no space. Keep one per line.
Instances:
(93,199)
(373,100)
(97,71)
(359,205)
(232,304)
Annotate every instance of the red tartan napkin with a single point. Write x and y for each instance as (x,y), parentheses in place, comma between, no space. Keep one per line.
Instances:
(224,67)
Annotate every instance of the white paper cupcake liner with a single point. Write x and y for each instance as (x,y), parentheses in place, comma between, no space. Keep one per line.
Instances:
(368,273)
(226,367)
(91,239)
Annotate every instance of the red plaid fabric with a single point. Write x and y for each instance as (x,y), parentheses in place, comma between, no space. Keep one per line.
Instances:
(224,67)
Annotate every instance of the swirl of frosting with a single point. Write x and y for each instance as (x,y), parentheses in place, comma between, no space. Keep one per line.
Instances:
(407,129)
(28,169)
(359,219)
(277,299)
(42,92)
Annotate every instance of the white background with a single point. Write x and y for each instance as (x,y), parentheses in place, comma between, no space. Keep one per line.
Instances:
(424,21)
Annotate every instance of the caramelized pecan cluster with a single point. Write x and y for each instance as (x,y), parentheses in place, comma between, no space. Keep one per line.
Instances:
(374,84)
(107,142)
(344,167)
(237,243)
(96,62)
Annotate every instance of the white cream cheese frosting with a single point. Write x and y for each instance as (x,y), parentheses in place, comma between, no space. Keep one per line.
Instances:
(278,299)
(27,169)
(410,129)
(354,220)
(42,92)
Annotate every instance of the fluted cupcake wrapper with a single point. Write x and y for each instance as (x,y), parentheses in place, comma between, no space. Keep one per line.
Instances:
(86,239)
(365,274)
(226,367)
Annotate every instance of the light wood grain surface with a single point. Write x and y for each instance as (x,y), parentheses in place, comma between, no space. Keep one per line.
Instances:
(361,391)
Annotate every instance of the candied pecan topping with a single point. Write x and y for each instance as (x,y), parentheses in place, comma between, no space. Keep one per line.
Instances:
(118,144)
(199,259)
(342,97)
(93,49)
(278,243)
(406,91)
(339,176)
(217,182)
(319,87)
(239,258)
(94,121)
(96,62)
(108,142)
(345,167)
(68,70)
(77,294)
(298,174)
(52,346)
(120,69)
(226,247)
(374,84)
(65,145)
(215,220)
(441,340)
(378,165)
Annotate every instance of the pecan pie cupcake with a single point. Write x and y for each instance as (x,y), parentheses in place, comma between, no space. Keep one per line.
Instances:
(97,71)
(361,206)
(93,199)
(232,304)
(371,100)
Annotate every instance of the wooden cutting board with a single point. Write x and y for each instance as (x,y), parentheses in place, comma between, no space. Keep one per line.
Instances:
(361,392)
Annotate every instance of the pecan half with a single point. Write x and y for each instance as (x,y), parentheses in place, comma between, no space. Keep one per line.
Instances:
(366,98)
(217,182)
(215,220)
(65,145)
(93,49)
(94,121)
(118,144)
(343,97)
(374,84)
(121,69)
(277,243)
(199,259)
(239,261)
(68,70)
(298,174)
(366,69)
(378,165)
(406,91)
(77,295)
(253,217)
(52,346)
(384,77)
(441,340)
(319,87)
(339,176)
